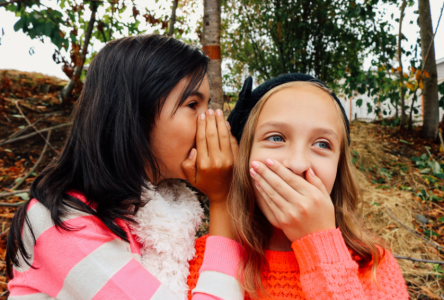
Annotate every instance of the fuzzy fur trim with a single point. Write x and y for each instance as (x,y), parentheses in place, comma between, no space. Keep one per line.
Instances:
(166,229)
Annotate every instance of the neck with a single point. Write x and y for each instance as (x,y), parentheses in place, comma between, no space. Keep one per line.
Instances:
(279,241)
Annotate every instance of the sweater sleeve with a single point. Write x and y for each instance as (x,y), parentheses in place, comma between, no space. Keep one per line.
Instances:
(329,272)
(90,262)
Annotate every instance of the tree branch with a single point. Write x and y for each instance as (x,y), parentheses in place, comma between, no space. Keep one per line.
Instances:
(420,260)
(413,231)
(23,137)
(29,123)
(19,183)
(13,193)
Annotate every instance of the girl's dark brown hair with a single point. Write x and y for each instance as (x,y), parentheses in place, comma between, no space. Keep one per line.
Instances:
(253,229)
(108,152)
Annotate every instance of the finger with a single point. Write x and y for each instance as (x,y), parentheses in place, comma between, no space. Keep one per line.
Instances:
(277,212)
(298,183)
(212,135)
(233,142)
(277,183)
(189,166)
(316,181)
(269,191)
(201,140)
(224,138)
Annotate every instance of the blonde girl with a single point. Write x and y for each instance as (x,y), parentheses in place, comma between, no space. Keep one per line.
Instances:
(294,199)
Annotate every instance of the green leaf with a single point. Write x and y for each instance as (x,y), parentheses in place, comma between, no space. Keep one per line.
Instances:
(19,24)
(405,142)
(425,171)
(23,196)
(441,219)
(430,233)
(359,102)
(436,168)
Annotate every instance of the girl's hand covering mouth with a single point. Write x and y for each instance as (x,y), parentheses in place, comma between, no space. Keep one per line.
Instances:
(301,206)
(209,168)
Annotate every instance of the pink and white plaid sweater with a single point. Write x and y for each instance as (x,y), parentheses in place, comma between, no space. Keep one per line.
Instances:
(93,263)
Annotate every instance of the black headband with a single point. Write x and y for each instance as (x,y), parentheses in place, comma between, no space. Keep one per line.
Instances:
(248,99)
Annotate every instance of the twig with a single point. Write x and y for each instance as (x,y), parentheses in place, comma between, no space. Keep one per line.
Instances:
(20,131)
(433,38)
(12,204)
(35,165)
(411,230)
(420,260)
(14,192)
(23,137)
(1,234)
(29,123)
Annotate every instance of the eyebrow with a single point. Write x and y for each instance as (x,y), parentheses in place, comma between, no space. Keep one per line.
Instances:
(286,126)
(275,124)
(198,94)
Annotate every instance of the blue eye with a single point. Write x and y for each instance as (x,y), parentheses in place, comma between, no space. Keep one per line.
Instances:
(323,145)
(275,138)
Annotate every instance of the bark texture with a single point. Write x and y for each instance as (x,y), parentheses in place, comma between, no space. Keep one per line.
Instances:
(401,71)
(66,92)
(173,18)
(211,47)
(430,91)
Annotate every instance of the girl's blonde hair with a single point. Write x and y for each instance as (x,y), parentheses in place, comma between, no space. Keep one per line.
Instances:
(253,229)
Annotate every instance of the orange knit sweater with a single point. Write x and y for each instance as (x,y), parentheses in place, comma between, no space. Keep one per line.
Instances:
(320,267)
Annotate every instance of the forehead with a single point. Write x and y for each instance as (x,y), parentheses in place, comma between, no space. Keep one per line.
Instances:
(302,107)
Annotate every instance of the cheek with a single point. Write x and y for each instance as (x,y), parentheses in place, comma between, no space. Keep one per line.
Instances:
(326,171)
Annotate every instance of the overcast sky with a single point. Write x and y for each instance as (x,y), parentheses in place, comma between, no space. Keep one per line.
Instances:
(15,46)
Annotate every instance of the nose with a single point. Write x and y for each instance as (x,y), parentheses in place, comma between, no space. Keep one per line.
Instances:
(297,161)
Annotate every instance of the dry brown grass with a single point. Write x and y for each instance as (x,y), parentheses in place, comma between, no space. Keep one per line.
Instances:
(423,282)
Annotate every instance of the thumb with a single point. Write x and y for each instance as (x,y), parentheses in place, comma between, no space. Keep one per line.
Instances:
(311,177)
(189,166)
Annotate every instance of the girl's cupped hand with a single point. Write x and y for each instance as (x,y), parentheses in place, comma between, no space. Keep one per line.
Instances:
(209,168)
(301,206)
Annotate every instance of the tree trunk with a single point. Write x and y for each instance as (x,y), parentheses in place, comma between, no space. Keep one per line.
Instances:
(430,91)
(401,71)
(211,47)
(173,18)
(66,92)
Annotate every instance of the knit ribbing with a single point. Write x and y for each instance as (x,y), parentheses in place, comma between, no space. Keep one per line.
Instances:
(224,255)
(325,247)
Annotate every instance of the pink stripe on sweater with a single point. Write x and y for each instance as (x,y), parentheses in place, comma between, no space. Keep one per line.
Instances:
(222,255)
(58,251)
(131,282)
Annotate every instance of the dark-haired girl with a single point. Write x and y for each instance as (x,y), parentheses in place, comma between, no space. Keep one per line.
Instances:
(142,118)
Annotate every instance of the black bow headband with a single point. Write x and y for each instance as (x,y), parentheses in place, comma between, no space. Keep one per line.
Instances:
(248,99)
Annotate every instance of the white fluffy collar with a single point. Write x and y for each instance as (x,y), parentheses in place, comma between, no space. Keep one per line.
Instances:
(166,229)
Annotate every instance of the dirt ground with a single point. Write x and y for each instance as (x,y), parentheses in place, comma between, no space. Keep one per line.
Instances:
(390,180)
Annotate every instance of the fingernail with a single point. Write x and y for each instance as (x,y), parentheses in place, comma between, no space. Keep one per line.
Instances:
(228,124)
(191,153)
(202,116)
(210,112)
(255,164)
(218,112)
(257,184)
(269,162)
(311,172)
(253,172)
